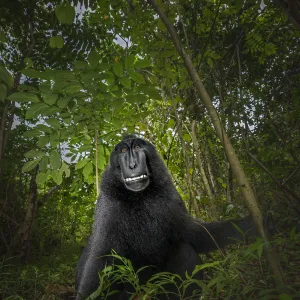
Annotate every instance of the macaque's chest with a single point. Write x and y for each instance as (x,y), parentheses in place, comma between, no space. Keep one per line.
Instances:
(145,234)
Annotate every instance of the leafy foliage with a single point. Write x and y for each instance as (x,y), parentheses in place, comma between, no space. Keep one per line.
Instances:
(74,76)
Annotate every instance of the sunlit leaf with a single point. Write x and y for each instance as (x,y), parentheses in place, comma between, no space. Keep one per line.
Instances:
(34,153)
(55,160)
(57,176)
(43,140)
(41,178)
(82,163)
(142,63)
(30,165)
(43,166)
(65,13)
(87,170)
(56,42)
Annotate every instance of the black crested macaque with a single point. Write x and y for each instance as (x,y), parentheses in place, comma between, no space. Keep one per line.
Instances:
(142,217)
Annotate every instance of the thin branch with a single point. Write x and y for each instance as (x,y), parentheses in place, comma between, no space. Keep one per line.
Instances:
(209,35)
(291,175)
(48,195)
(284,187)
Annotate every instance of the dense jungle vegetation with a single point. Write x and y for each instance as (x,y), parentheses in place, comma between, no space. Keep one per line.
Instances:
(213,84)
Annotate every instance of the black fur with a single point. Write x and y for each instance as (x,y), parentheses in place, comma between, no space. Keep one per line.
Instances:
(149,227)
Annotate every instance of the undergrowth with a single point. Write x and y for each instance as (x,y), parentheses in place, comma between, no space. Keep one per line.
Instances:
(241,273)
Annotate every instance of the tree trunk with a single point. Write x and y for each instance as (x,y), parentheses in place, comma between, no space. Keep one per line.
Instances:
(237,169)
(213,184)
(291,8)
(230,191)
(193,198)
(21,243)
(213,208)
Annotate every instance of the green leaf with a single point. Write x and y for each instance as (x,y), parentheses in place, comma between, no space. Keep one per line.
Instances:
(56,42)
(41,178)
(51,111)
(23,97)
(54,138)
(79,64)
(6,77)
(167,53)
(74,88)
(152,92)
(94,58)
(3,91)
(49,98)
(126,82)
(45,87)
(186,137)
(54,123)
(57,177)
(64,74)
(109,77)
(65,13)
(284,297)
(43,140)
(87,170)
(239,4)
(31,133)
(43,128)
(32,73)
(85,148)
(30,165)
(118,69)
(36,109)
(204,266)
(142,63)
(28,62)
(43,166)
(210,62)
(101,158)
(82,163)
(34,153)
(129,61)
(65,169)
(103,67)
(55,161)
(95,18)
(270,49)
(2,37)
(63,102)
(137,77)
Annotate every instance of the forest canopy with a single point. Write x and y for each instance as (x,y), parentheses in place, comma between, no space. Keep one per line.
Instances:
(214,85)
